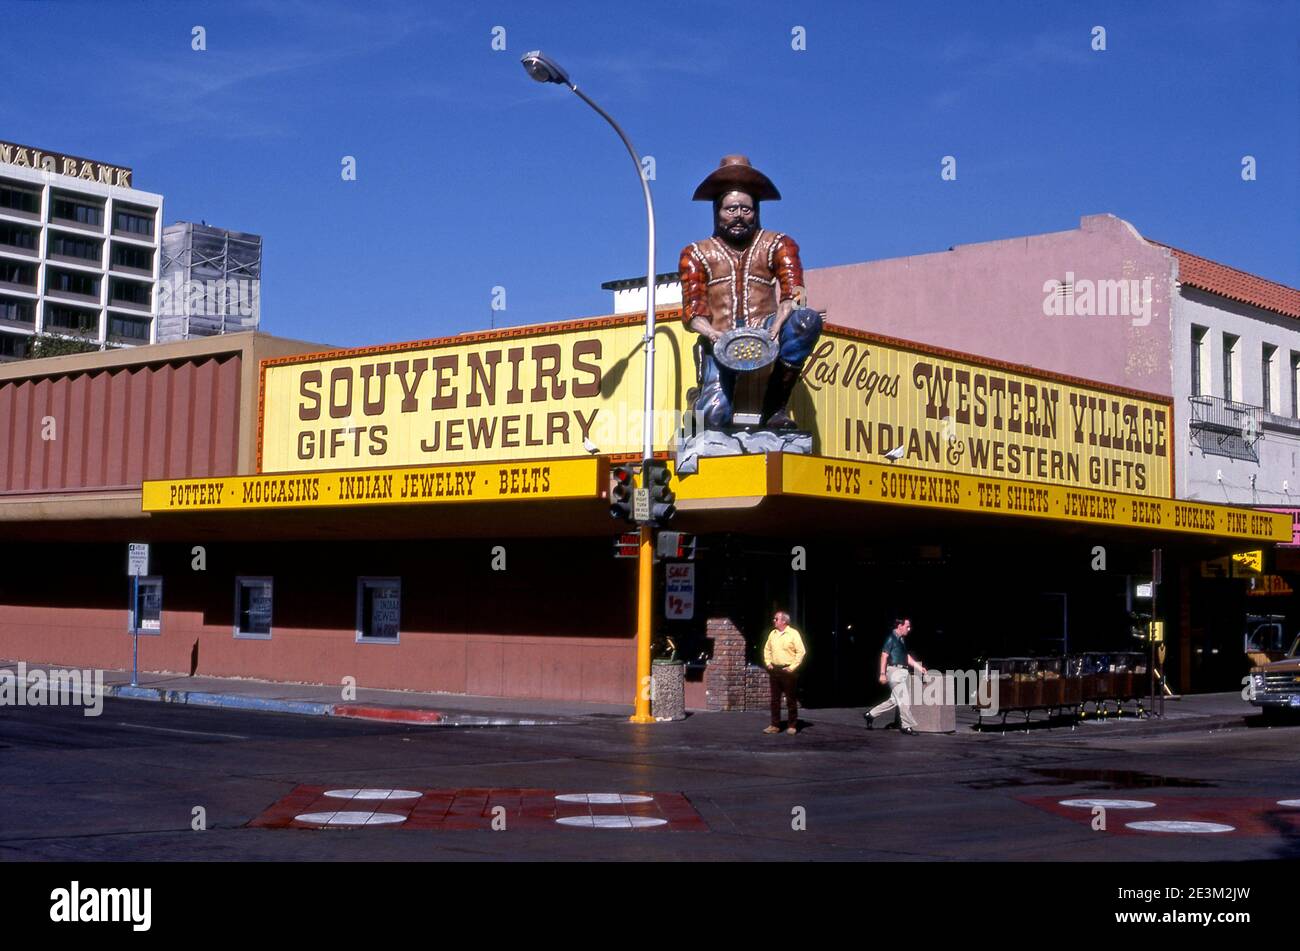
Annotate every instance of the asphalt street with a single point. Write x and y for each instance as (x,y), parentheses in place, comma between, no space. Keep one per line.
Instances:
(125,786)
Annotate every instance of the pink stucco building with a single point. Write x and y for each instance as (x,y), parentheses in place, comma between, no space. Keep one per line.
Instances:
(989,299)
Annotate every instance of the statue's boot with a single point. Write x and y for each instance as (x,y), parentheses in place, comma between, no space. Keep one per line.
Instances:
(780,385)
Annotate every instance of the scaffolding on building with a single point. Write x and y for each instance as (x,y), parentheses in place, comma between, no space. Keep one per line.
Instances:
(210,281)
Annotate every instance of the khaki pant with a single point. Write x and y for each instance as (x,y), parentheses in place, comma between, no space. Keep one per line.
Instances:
(901,688)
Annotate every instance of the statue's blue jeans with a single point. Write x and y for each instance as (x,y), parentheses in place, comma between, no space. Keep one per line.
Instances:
(718,384)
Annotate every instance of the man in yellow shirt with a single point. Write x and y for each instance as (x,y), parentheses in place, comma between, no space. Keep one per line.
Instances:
(782,655)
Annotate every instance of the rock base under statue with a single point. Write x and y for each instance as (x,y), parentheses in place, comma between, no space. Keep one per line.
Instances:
(739,443)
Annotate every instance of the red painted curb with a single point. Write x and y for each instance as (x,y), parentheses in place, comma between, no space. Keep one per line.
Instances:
(398,714)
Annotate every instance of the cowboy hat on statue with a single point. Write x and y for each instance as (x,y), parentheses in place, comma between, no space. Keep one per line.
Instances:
(742,292)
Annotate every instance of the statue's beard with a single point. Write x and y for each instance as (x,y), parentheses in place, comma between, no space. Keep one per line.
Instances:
(737,233)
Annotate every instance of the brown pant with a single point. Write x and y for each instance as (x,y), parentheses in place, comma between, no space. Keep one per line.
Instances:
(783,683)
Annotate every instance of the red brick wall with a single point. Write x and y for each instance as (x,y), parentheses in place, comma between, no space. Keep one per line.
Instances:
(732,683)
(557,624)
(724,675)
(758,688)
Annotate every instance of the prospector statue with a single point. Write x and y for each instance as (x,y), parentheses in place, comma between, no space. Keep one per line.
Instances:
(743,292)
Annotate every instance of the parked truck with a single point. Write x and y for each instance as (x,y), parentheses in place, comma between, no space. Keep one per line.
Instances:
(1274,686)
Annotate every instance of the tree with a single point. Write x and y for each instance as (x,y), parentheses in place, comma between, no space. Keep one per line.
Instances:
(56,345)
(51,345)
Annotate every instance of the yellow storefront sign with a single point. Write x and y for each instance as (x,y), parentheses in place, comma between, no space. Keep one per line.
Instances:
(546,393)
(871,482)
(495,482)
(571,388)
(936,410)
(1248,562)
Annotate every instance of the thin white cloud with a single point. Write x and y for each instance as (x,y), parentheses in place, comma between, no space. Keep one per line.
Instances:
(212,89)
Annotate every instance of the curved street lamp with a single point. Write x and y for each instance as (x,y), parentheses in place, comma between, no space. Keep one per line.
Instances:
(545,70)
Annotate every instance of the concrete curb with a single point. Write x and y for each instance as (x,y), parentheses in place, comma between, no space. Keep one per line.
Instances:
(354,711)
(357,711)
(1131,730)
(477,720)
(1158,728)
(235,701)
(418,716)
(421,717)
(127,692)
(231,700)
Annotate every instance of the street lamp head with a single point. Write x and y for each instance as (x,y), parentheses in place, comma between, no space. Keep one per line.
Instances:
(544,69)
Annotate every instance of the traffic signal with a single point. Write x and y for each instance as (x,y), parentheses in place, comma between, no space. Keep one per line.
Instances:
(620,493)
(662,497)
(678,546)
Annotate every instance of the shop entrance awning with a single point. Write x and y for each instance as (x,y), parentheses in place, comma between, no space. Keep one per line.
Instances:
(748,480)
(527,481)
(568,497)
(548,497)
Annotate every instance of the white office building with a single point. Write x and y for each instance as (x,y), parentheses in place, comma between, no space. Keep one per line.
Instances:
(79,251)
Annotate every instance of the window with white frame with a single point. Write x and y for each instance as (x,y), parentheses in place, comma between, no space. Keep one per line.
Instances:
(1200,361)
(1295,385)
(253,600)
(1268,377)
(379,609)
(1231,372)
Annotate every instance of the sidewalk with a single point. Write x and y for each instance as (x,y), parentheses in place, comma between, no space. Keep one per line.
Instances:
(1207,711)
(1194,712)
(431,709)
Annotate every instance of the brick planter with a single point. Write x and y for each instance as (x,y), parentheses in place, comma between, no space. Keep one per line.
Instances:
(724,675)
(731,682)
(758,688)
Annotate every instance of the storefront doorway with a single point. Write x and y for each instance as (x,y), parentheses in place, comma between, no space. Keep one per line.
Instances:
(971,595)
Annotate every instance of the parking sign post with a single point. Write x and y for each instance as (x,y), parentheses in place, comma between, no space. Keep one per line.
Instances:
(137,564)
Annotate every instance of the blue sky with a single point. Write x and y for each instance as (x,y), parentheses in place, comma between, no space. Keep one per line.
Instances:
(471,176)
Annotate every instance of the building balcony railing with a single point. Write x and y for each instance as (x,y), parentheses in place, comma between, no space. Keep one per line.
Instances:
(138,240)
(73,296)
(126,269)
(18,214)
(93,264)
(19,250)
(72,224)
(128,340)
(1222,427)
(136,307)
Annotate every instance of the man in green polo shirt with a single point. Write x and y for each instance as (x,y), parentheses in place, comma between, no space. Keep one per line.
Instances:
(894,664)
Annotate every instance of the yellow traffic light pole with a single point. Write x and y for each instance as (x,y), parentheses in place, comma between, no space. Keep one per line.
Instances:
(644,619)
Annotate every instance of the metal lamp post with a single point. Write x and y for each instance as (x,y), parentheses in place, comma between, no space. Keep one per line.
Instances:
(545,70)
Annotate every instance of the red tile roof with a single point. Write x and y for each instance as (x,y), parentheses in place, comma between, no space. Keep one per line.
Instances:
(1207,275)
